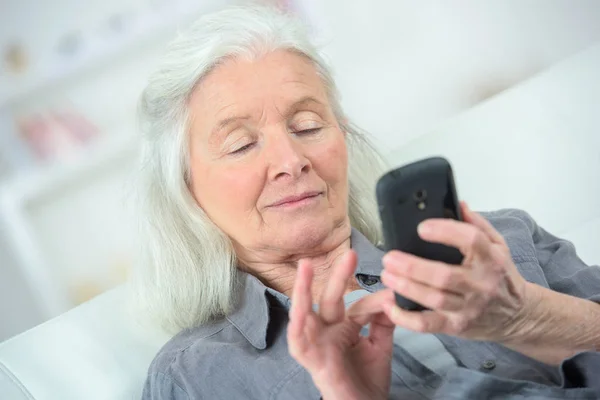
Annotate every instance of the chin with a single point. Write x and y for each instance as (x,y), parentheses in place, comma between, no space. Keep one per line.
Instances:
(311,233)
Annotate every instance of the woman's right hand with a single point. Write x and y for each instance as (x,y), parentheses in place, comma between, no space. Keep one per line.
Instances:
(342,363)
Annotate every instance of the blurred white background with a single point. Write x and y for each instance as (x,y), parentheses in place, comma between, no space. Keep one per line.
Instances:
(71,73)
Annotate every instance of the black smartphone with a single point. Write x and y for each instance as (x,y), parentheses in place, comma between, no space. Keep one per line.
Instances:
(410,194)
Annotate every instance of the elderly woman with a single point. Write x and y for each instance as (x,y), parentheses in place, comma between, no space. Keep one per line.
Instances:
(260,239)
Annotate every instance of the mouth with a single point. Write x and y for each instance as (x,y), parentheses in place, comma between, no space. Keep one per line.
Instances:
(303,198)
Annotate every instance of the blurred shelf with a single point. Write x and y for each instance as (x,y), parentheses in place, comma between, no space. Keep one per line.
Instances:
(144,30)
(87,182)
(24,194)
(41,181)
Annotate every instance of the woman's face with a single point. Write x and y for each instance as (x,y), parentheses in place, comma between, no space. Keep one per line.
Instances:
(268,158)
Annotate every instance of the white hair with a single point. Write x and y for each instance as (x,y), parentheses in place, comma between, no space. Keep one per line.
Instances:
(186,271)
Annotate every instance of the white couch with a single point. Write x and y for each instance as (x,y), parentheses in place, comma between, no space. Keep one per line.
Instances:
(94,351)
(535,146)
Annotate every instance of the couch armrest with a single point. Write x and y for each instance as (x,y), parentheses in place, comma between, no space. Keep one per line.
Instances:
(11,387)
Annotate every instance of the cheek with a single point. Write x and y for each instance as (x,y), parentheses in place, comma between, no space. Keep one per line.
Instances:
(331,164)
(226,193)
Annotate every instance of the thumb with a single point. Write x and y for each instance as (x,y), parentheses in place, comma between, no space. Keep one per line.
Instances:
(365,309)
(476,219)
(381,333)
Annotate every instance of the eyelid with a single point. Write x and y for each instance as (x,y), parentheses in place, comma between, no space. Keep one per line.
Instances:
(307,131)
(243,148)
(237,143)
(306,125)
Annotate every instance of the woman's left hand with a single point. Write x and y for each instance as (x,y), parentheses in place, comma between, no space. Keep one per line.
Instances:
(485,298)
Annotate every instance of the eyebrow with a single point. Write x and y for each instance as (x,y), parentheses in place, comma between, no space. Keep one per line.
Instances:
(291,109)
(300,103)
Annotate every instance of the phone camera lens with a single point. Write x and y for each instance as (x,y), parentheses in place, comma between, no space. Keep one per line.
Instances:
(420,195)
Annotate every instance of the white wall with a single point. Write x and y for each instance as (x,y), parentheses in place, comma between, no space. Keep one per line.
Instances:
(80,228)
(405,66)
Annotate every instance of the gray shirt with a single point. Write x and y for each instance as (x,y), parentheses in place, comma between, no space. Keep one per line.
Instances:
(425,347)
(245,355)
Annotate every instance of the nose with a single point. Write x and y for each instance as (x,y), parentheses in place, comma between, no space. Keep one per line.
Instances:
(286,157)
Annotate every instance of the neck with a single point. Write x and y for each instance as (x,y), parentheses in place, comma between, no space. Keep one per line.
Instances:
(278,271)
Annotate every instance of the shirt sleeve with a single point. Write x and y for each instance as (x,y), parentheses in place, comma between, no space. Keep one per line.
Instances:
(160,386)
(581,371)
(565,272)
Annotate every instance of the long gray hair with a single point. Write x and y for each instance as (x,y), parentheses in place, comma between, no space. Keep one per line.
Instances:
(186,271)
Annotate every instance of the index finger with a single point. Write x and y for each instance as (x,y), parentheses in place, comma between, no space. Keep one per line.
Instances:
(365,309)
(476,219)
(462,235)
(301,301)
(331,306)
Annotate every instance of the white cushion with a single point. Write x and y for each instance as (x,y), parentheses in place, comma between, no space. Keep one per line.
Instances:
(587,240)
(535,146)
(95,351)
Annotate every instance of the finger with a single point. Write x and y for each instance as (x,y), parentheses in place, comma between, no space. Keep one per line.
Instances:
(301,308)
(427,296)
(369,310)
(476,219)
(432,273)
(312,329)
(365,309)
(464,236)
(427,321)
(331,306)
(381,333)
(303,350)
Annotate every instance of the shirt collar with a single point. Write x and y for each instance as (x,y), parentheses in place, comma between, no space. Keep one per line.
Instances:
(251,317)
(369,256)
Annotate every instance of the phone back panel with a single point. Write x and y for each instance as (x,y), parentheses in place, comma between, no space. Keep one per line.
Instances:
(409,195)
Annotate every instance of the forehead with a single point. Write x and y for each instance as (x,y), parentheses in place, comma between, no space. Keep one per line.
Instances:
(280,76)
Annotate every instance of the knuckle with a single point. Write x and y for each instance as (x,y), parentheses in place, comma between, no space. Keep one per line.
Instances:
(500,255)
(446,278)
(422,325)
(473,238)
(470,314)
(463,325)
(295,350)
(474,314)
(491,289)
(439,300)
(502,241)
(409,266)
(478,238)
(401,285)
(328,302)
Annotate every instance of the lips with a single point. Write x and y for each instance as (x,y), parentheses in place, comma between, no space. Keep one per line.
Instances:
(293,199)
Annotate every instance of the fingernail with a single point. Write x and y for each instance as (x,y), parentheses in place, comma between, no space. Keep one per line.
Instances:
(391,311)
(387,307)
(387,258)
(387,279)
(424,228)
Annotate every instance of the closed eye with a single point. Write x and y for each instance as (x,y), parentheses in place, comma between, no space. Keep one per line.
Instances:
(243,149)
(307,131)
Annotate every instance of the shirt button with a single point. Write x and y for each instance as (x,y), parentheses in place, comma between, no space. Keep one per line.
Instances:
(488,364)
(370,280)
